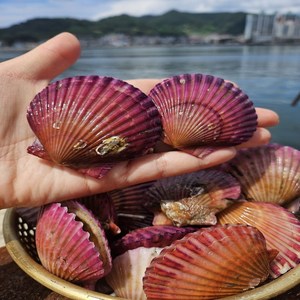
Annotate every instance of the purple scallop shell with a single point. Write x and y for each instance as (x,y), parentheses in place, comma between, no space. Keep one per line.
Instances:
(152,236)
(269,173)
(199,109)
(294,207)
(90,122)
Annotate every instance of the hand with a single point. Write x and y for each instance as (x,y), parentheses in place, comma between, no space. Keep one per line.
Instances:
(26,180)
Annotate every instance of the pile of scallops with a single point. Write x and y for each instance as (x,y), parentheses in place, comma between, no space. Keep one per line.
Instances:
(202,235)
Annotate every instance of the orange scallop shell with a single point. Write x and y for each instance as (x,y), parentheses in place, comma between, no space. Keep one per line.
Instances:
(210,263)
(279,226)
(269,173)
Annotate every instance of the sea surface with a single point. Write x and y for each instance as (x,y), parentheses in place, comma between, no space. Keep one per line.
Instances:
(270,75)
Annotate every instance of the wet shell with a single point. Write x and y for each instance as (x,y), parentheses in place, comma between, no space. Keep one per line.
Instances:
(193,199)
(280,228)
(75,250)
(199,109)
(152,236)
(269,173)
(126,277)
(210,263)
(85,121)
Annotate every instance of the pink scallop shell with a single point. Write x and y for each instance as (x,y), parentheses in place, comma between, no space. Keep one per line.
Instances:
(199,109)
(66,249)
(86,122)
(280,228)
(269,173)
(210,263)
(126,277)
(195,198)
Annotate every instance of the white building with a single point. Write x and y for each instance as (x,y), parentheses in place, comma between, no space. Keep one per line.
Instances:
(287,27)
(267,28)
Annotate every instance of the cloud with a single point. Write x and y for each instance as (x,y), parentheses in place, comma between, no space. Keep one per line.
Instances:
(14,11)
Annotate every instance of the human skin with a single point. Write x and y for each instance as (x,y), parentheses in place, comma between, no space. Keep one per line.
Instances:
(26,180)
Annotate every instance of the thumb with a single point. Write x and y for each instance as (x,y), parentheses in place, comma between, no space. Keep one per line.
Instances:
(49,59)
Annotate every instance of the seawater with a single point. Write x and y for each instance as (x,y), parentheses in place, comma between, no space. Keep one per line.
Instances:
(270,75)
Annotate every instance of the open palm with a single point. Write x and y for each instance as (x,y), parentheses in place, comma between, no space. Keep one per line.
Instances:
(26,180)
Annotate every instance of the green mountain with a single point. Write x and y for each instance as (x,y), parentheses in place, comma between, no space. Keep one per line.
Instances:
(172,23)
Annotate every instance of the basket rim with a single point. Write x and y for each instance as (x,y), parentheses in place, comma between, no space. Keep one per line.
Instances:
(36,271)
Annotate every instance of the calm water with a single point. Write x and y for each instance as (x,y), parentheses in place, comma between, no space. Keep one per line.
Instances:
(270,75)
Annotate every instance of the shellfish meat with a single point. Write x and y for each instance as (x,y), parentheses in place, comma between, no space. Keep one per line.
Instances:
(194,198)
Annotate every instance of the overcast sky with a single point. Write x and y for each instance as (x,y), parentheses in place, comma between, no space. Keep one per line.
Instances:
(16,11)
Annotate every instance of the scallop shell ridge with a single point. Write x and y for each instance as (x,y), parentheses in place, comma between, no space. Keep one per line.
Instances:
(65,248)
(279,226)
(273,173)
(209,264)
(200,109)
(84,121)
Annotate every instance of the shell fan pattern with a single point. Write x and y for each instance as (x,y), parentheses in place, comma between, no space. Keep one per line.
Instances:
(91,122)
(71,243)
(203,110)
(280,228)
(269,173)
(209,264)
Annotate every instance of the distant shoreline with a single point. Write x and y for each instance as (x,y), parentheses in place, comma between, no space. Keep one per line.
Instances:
(148,42)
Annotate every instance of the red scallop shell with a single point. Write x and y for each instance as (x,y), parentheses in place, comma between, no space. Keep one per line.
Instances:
(85,122)
(199,109)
